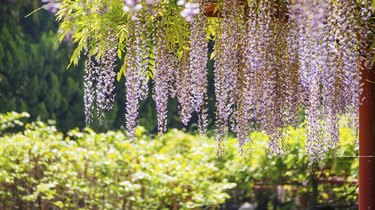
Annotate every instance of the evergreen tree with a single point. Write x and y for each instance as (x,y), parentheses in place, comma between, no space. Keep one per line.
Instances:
(33,75)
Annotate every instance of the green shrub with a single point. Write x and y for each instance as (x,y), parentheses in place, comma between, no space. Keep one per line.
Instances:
(43,168)
(86,170)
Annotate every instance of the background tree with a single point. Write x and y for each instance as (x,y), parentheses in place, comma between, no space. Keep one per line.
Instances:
(32,67)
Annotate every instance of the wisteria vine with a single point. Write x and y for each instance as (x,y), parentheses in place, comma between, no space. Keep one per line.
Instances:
(273,60)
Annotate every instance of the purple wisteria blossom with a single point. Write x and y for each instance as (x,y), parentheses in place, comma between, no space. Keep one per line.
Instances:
(99,80)
(310,17)
(108,70)
(198,65)
(270,64)
(135,75)
(189,11)
(184,87)
(294,97)
(132,6)
(173,69)
(266,70)
(226,70)
(161,79)
(105,74)
(89,90)
(244,87)
(51,6)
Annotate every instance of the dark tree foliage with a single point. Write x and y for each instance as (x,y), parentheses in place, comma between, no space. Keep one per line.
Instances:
(33,75)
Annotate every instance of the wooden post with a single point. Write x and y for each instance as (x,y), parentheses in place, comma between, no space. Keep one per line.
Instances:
(367,142)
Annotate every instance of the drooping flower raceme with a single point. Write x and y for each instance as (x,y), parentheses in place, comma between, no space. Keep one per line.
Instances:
(99,80)
(89,90)
(226,70)
(51,6)
(190,10)
(105,75)
(134,75)
(161,79)
(184,89)
(108,71)
(244,90)
(198,66)
(132,6)
(311,19)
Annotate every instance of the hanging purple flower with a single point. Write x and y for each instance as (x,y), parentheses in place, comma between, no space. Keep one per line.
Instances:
(89,90)
(184,87)
(161,79)
(245,94)
(52,6)
(99,87)
(226,70)
(306,55)
(132,6)
(135,76)
(190,10)
(107,63)
(198,65)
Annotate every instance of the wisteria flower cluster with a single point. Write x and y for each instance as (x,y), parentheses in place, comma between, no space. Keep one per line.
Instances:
(189,11)
(132,5)
(302,56)
(198,68)
(226,71)
(272,62)
(136,79)
(99,80)
(51,6)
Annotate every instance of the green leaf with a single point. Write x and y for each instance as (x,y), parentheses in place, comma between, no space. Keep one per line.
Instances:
(76,54)
(121,72)
(213,54)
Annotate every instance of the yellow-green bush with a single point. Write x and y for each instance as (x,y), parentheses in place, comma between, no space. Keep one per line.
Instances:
(41,167)
(88,170)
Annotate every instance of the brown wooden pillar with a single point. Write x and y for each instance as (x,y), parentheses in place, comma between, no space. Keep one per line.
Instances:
(367,143)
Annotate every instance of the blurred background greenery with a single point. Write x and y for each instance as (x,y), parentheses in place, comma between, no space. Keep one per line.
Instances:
(61,164)
(33,74)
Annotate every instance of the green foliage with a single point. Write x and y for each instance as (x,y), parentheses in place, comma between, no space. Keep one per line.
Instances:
(88,170)
(11,120)
(89,22)
(41,166)
(32,67)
